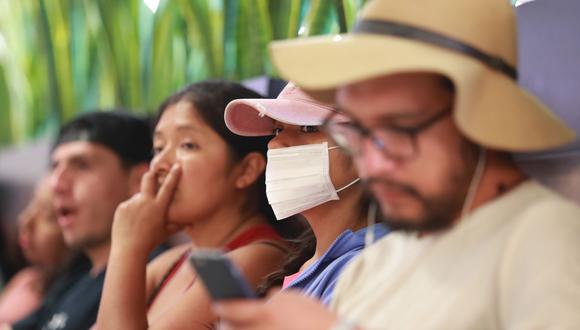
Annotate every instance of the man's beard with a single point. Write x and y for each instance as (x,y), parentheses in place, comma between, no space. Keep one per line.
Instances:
(438,212)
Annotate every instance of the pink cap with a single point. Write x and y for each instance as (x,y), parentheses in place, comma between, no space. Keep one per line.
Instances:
(255,117)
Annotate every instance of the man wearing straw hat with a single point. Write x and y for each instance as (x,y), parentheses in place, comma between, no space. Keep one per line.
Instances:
(430,86)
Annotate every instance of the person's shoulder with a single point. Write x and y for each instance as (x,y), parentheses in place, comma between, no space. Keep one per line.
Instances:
(334,263)
(159,266)
(541,261)
(356,265)
(548,209)
(544,232)
(258,259)
(353,272)
(529,205)
(257,250)
(532,195)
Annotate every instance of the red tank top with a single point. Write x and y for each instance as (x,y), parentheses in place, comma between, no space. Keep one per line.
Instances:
(261,232)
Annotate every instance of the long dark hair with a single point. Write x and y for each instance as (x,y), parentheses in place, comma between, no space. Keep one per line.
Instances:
(302,250)
(210,98)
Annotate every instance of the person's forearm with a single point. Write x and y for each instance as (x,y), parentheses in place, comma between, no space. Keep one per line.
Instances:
(123,303)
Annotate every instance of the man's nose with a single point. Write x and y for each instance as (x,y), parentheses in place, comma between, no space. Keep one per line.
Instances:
(372,162)
(60,180)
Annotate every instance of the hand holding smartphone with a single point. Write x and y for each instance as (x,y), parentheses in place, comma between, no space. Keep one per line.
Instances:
(220,276)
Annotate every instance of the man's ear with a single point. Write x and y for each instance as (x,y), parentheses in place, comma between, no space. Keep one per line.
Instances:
(135,175)
(250,169)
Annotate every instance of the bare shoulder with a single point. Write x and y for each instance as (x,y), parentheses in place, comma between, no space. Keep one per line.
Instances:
(258,249)
(157,268)
(259,259)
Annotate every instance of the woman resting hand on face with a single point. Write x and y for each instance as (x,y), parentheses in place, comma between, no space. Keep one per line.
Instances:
(207,182)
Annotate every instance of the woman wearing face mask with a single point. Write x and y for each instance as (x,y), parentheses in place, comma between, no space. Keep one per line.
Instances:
(203,180)
(307,174)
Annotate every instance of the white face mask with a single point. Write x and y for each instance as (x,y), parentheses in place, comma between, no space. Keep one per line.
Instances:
(298,179)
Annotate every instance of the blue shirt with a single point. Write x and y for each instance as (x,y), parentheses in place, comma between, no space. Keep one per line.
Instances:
(319,279)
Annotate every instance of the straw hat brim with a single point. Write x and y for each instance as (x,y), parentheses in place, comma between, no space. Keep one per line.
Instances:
(490,108)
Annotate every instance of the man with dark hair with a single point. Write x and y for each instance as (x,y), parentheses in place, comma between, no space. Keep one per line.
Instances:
(98,160)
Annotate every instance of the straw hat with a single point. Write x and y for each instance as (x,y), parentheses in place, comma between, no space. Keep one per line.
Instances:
(471,42)
(255,117)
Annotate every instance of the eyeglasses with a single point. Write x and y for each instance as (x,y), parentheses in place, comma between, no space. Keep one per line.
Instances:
(395,142)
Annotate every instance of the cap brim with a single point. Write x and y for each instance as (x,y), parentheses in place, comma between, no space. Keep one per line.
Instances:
(256,117)
(490,108)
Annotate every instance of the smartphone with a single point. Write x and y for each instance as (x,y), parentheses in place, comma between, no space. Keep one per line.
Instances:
(220,276)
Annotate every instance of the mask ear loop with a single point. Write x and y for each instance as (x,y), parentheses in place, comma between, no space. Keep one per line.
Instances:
(371,220)
(348,185)
(475,181)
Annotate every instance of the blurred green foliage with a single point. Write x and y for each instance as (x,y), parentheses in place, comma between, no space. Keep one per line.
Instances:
(62,57)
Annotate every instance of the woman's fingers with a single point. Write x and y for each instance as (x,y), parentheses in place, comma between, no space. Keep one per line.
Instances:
(167,189)
(149,183)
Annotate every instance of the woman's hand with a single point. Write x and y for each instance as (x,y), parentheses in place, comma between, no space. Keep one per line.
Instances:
(139,226)
(140,223)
